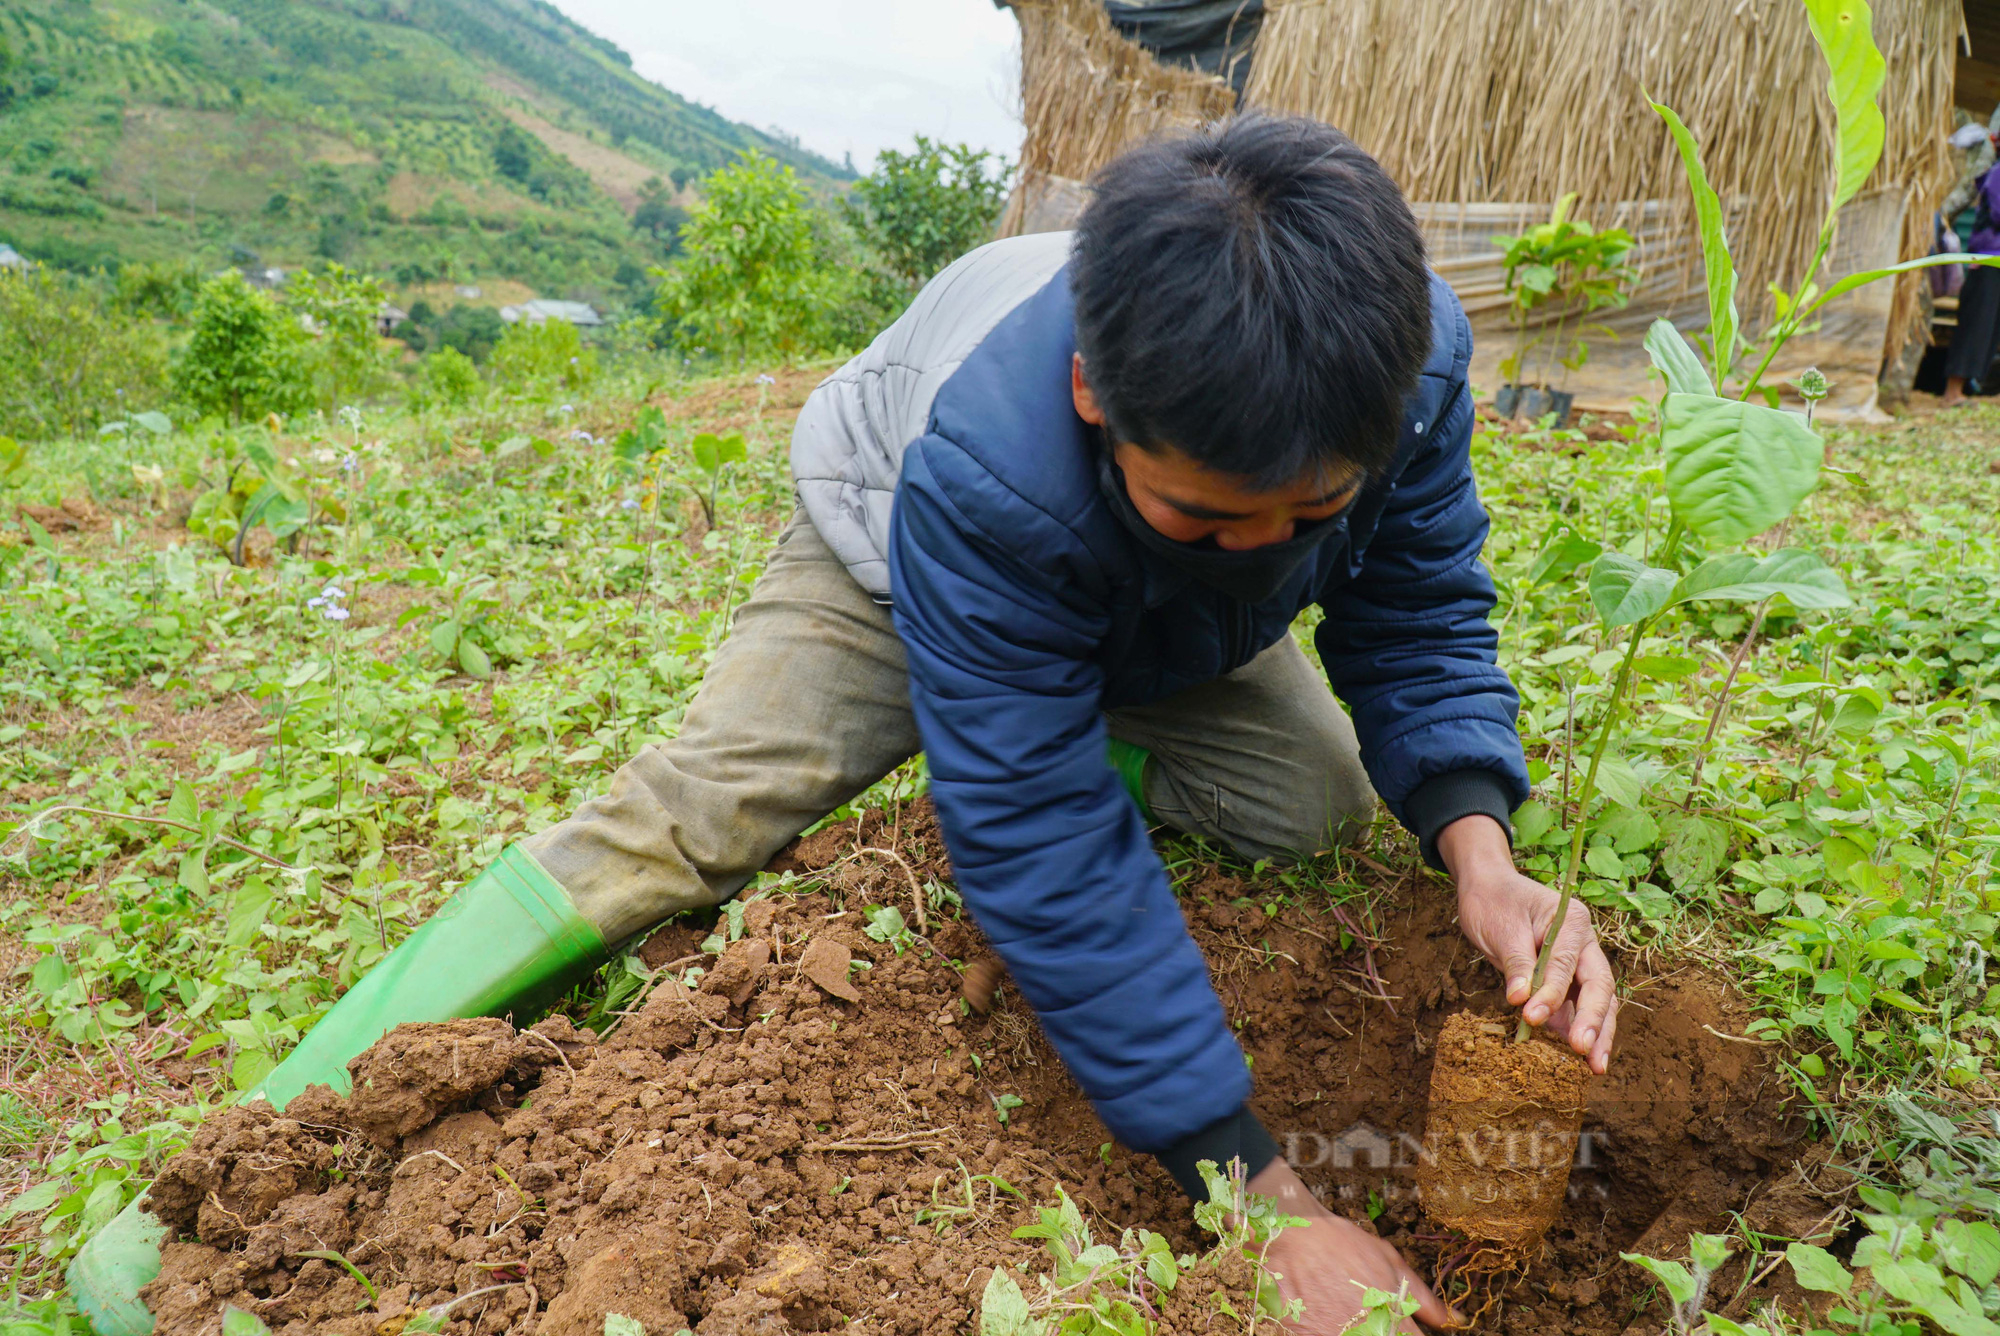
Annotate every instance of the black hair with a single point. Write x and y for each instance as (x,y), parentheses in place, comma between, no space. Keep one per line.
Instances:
(1254,295)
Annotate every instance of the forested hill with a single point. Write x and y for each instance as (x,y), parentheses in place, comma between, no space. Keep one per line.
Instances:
(451,139)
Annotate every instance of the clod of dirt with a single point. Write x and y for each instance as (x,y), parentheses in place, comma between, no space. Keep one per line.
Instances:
(1502,1133)
(825,963)
(736,975)
(419,1070)
(239,1167)
(635,1276)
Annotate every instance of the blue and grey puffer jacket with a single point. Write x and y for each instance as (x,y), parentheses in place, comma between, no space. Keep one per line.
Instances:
(947,467)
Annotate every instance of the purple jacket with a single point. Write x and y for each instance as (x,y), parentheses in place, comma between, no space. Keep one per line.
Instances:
(1985,238)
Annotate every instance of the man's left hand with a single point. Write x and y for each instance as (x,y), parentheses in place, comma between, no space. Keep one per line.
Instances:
(1507,916)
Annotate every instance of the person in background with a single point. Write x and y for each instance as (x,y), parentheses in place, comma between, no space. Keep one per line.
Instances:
(1977,336)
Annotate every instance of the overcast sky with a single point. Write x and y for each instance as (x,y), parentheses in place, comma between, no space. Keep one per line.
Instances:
(845,76)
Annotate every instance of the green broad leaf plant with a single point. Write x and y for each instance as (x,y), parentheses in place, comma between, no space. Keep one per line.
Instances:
(1734,466)
(1571,265)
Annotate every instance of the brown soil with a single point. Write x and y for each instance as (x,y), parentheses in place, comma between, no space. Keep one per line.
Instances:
(756,1154)
(1502,1133)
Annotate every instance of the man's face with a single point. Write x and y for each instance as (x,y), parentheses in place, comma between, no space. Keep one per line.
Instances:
(1187,501)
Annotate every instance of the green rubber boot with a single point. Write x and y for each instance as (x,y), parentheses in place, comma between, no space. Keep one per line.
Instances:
(1129,760)
(510,941)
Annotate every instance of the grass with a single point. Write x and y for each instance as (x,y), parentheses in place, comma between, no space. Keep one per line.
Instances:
(1834,855)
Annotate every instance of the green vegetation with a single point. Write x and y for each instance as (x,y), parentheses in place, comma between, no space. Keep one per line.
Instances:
(1105,1289)
(452,141)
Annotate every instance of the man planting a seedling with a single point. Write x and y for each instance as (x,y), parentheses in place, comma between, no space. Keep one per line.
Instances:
(1056,524)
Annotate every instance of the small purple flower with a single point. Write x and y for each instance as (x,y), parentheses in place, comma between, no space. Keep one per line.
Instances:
(628,504)
(335,614)
(767,380)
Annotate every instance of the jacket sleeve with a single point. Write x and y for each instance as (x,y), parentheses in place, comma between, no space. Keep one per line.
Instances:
(1050,854)
(1407,645)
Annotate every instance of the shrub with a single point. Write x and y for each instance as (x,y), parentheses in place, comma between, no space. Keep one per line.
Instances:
(67,358)
(447,379)
(541,355)
(348,360)
(245,355)
(753,276)
(472,330)
(162,289)
(921,210)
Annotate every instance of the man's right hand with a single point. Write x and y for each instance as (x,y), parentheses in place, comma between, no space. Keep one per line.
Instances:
(1329,1262)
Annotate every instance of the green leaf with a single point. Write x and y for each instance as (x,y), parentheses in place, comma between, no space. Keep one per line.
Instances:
(1665,667)
(706,448)
(181,806)
(43,644)
(1631,830)
(1676,360)
(1719,1325)
(236,1322)
(157,423)
(1855,72)
(1694,852)
(1618,781)
(37,1198)
(285,515)
(473,659)
(1708,1251)
(1817,1269)
(1972,1250)
(617,1324)
(1625,590)
(1003,1309)
(1563,550)
(247,910)
(1603,860)
(1735,469)
(1842,287)
(1679,1284)
(1795,573)
(194,872)
(444,637)
(1721,270)
(731,449)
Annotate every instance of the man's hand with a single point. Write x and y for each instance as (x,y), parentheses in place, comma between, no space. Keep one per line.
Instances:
(1328,1262)
(1507,916)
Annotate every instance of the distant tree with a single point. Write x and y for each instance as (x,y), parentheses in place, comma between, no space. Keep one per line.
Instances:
(245,355)
(69,357)
(919,211)
(447,379)
(753,276)
(514,153)
(680,176)
(163,288)
(542,355)
(472,330)
(348,361)
(659,217)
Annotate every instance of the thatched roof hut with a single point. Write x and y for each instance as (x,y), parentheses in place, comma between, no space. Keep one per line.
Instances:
(1488,111)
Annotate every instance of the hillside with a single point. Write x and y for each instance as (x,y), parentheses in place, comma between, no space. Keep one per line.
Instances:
(453,141)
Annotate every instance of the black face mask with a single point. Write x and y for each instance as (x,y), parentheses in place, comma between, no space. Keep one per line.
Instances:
(1251,576)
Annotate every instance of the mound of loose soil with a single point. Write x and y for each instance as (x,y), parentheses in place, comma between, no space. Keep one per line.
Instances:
(762,1155)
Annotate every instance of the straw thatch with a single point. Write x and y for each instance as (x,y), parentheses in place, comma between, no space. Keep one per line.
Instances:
(1484,101)
(1087,92)
(1508,100)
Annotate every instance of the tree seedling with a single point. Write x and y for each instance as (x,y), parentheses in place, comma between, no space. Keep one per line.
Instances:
(1734,468)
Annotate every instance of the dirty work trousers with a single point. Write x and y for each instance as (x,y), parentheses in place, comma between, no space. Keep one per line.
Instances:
(808,703)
